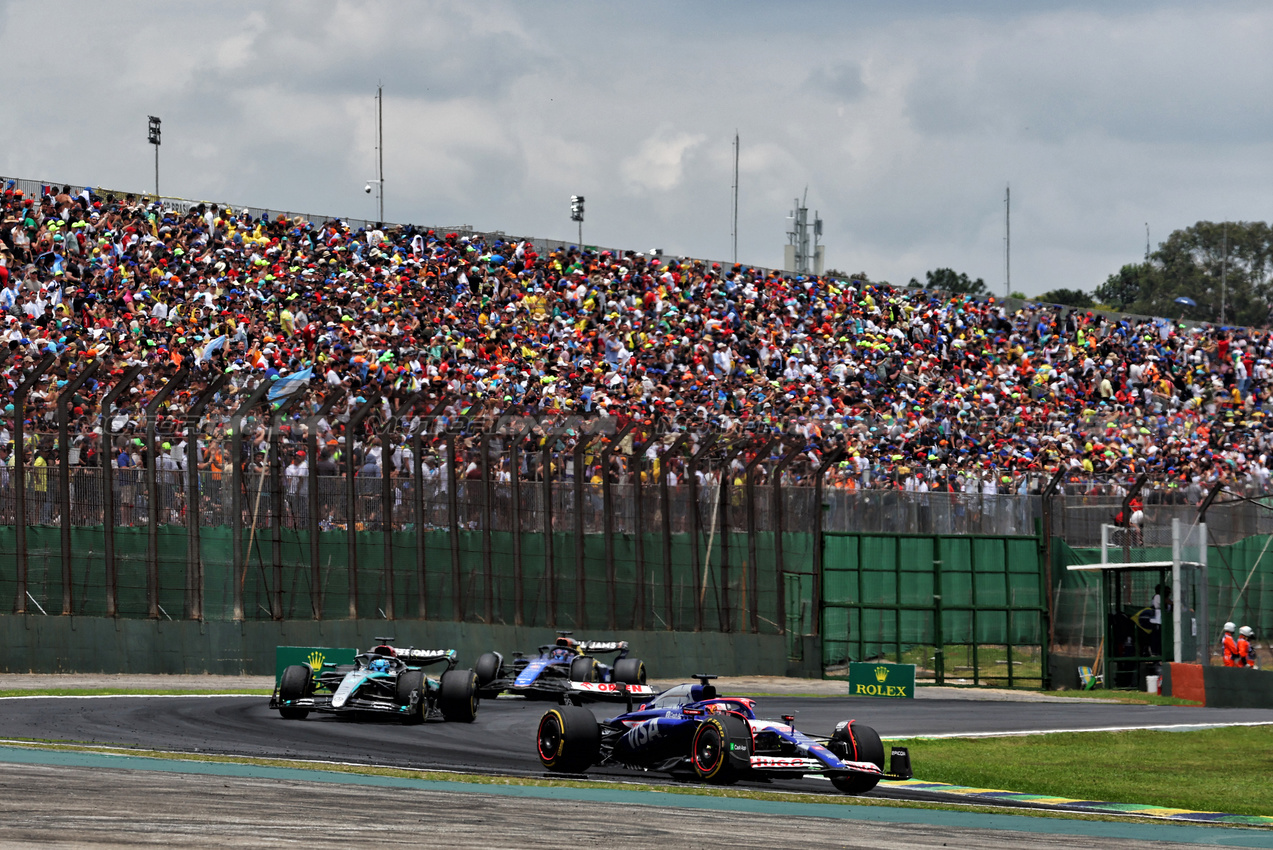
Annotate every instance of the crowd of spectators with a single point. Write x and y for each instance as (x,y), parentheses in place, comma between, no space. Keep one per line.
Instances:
(924,390)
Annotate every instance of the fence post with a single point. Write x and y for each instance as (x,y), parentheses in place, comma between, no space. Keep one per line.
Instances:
(726,613)
(387,497)
(819,480)
(581,476)
(64,476)
(453,519)
(1049,496)
(194,553)
(275,436)
(515,509)
(20,475)
(665,500)
(780,553)
(152,493)
(550,574)
(108,483)
(607,508)
(255,397)
(696,525)
(638,536)
(351,502)
(752,573)
(488,572)
(315,513)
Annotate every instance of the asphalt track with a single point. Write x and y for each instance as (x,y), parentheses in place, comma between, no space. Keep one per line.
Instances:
(501,740)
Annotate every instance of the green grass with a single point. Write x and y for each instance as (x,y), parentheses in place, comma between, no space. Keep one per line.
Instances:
(82,692)
(1215,770)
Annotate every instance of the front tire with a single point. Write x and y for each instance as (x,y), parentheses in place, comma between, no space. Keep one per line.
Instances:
(295,684)
(857,742)
(714,749)
(569,739)
(630,671)
(412,680)
(584,669)
(458,698)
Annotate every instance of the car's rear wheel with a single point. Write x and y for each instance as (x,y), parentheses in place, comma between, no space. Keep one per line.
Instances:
(569,739)
(714,749)
(630,671)
(294,685)
(584,669)
(857,742)
(408,681)
(458,697)
(487,668)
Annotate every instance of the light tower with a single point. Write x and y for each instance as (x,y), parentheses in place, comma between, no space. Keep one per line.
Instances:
(576,214)
(152,136)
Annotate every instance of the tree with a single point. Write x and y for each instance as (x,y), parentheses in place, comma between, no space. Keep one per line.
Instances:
(947,280)
(1067,297)
(1120,291)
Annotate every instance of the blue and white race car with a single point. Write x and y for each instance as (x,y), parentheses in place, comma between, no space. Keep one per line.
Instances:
(690,729)
(384,680)
(564,669)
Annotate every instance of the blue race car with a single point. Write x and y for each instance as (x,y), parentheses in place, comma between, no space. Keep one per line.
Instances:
(385,680)
(564,669)
(690,729)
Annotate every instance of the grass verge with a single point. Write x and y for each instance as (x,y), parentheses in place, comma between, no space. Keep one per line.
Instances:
(494,780)
(1210,770)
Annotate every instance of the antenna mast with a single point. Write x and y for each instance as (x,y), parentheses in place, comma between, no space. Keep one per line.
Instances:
(735,197)
(380,145)
(1007,241)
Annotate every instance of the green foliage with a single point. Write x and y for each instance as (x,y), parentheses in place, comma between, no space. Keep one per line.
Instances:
(1068,297)
(1214,263)
(947,280)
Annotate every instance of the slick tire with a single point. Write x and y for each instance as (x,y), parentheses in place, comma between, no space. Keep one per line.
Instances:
(458,697)
(409,681)
(714,754)
(295,684)
(584,669)
(630,671)
(569,739)
(487,668)
(857,742)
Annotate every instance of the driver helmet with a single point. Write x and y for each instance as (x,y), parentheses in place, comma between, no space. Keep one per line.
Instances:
(1246,631)
(1229,627)
(380,665)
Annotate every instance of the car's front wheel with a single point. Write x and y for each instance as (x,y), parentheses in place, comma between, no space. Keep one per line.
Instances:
(294,685)
(584,669)
(720,743)
(487,668)
(630,671)
(853,741)
(569,739)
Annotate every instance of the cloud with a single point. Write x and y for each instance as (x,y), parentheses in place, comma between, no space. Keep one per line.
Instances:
(659,165)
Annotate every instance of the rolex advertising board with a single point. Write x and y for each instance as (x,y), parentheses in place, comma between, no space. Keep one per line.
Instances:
(314,656)
(882,680)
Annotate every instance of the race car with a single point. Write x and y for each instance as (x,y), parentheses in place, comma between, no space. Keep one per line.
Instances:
(691,730)
(564,669)
(385,680)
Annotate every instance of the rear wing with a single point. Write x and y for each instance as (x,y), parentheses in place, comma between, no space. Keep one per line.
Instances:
(591,647)
(428,656)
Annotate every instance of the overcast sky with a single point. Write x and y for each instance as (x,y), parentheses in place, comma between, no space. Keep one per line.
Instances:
(905,120)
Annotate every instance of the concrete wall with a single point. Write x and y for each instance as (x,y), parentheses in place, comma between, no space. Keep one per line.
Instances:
(37,644)
(1219,687)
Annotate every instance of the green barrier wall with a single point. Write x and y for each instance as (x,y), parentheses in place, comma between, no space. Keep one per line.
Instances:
(37,644)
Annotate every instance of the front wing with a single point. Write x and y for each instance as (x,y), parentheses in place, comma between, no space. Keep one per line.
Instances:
(354,705)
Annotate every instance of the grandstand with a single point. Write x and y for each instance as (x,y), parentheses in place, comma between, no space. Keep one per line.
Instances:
(175,363)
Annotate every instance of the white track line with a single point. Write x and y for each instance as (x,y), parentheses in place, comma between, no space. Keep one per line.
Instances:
(1178,727)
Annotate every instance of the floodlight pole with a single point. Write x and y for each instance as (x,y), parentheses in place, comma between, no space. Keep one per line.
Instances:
(153,136)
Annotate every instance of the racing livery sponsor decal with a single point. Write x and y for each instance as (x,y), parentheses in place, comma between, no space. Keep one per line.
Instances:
(348,685)
(603,645)
(773,761)
(611,688)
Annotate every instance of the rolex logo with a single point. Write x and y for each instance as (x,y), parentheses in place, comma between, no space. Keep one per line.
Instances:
(881,674)
(316,661)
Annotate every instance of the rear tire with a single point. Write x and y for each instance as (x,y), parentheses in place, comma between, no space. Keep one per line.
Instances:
(710,753)
(857,742)
(487,668)
(458,698)
(294,684)
(409,681)
(569,739)
(584,669)
(630,671)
